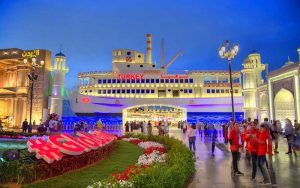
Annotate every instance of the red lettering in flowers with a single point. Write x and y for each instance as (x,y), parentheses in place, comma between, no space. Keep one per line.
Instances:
(44,150)
(64,143)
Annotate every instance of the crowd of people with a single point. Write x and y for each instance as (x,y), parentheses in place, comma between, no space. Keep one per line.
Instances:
(147,126)
(255,138)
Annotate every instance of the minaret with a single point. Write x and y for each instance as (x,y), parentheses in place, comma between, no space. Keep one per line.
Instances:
(252,78)
(59,70)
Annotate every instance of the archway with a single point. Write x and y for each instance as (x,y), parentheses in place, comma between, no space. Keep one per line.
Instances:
(284,105)
(154,112)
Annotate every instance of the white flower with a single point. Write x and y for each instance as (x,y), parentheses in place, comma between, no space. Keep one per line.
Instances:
(129,139)
(149,144)
(154,157)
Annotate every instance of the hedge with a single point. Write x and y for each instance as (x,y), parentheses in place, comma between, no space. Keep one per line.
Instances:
(176,172)
(23,172)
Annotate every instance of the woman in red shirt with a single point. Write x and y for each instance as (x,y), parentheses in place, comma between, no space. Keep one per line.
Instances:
(234,147)
(264,141)
(252,145)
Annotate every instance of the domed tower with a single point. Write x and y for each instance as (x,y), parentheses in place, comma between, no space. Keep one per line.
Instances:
(252,78)
(59,70)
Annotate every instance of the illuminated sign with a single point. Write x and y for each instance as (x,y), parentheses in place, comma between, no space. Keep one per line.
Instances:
(130,76)
(31,53)
(174,76)
(57,145)
(85,100)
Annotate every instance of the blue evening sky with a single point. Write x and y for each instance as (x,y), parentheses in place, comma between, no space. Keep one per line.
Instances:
(89,30)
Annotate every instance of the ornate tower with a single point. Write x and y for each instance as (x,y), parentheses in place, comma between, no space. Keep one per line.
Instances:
(59,70)
(252,78)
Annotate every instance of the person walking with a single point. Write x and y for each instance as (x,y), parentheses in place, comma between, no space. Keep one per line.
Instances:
(275,133)
(127,127)
(289,134)
(24,126)
(192,137)
(264,141)
(149,128)
(251,136)
(234,147)
(214,139)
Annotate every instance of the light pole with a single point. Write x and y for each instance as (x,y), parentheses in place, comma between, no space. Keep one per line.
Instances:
(32,77)
(226,52)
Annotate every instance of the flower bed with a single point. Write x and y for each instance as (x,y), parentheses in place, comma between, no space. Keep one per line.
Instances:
(24,172)
(166,162)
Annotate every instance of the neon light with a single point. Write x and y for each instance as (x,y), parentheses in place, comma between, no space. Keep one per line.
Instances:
(85,100)
(130,76)
(64,143)
(174,76)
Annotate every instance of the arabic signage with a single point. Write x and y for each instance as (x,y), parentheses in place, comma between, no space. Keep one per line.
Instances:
(30,53)
(130,76)
(174,76)
(57,145)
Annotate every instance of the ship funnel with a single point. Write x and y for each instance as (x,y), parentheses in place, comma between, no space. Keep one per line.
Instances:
(149,49)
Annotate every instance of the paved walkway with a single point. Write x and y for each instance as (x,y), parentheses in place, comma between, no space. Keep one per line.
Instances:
(215,172)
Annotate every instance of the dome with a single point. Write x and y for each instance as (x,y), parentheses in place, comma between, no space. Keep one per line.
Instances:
(60,54)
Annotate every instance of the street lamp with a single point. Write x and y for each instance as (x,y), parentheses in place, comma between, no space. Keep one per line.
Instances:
(32,77)
(226,52)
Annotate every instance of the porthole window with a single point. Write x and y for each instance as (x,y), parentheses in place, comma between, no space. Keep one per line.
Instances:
(128,66)
(153,65)
(128,53)
(141,65)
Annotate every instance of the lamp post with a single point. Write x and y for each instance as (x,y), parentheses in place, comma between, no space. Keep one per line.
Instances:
(32,77)
(226,52)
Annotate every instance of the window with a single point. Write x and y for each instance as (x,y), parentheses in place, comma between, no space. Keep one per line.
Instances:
(191,81)
(186,80)
(147,91)
(217,91)
(109,81)
(113,81)
(147,81)
(128,91)
(167,80)
(128,81)
(190,91)
(152,80)
(152,91)
(176,80)
(172,81)
(99,81)
(185,91)
(142,91)
(108,91)
(133,81)
(114,91)
(162,81)
(118,81)
(123,91)
(157,81)
(104,81)
(181,80)
(222,90)
(212,91)
(118,91)
(138,91)
(227,90)
(141,65)
(128,66)
(99,91)
(208,91)
(123,81)
(132,91)
(143,81)
(104,91)
(138,81)
(236,91)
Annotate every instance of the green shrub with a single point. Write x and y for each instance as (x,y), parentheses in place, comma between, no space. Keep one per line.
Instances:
(176,172)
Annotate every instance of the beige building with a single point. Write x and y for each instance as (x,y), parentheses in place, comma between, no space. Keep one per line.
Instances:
(14,86)
(278,97)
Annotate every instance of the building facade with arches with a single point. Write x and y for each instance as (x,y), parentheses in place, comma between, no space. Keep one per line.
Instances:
(277,97)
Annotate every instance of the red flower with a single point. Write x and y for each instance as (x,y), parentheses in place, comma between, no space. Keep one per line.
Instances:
(151,149)
(135,141)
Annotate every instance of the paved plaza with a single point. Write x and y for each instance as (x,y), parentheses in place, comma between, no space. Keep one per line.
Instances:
(215,172)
